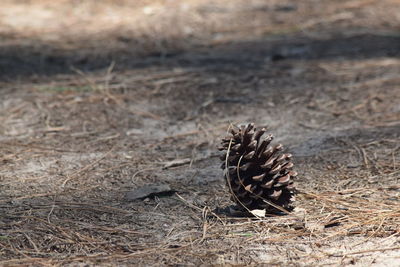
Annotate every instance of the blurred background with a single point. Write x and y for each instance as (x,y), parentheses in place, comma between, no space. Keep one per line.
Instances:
(43,37)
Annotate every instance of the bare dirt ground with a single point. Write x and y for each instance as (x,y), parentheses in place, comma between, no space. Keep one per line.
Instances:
(98,97)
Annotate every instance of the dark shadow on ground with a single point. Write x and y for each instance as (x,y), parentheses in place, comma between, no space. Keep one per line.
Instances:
(40,59)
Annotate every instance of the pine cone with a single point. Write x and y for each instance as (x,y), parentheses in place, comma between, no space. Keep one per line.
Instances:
(257,173)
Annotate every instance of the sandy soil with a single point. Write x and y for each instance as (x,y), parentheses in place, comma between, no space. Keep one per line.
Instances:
(99,97)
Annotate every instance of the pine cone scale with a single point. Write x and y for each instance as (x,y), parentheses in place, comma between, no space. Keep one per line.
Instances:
(258,178)
(268,184)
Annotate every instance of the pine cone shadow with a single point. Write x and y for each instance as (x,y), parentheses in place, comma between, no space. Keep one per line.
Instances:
(236,211)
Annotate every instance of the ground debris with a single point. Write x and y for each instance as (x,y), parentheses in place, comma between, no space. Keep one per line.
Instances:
(128,101)
(149,191)
(176,163)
